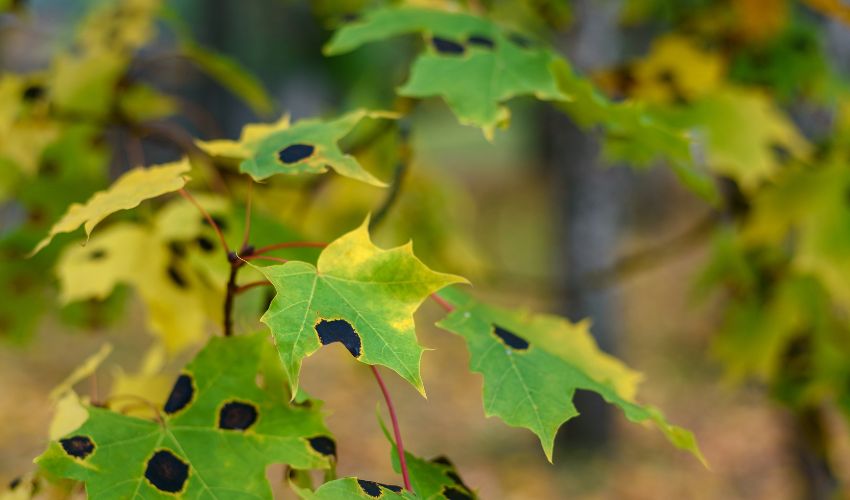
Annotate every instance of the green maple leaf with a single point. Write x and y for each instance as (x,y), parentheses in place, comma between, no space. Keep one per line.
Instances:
(430,479)
(357,294)
(218,433)
(470,62)
(533,364)
(351,487)
(307,147)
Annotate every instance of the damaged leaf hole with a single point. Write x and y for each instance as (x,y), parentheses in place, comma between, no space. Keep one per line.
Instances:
(339,330)
(166,472)
(373,489)
(323,445)
(446,46)
(237,416)
(295,153)
(78,446)
(181,394)
(510,339)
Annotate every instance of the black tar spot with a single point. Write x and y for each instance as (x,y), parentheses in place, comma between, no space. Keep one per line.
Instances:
(77,446)
(205,243)
(373,489)
(14,483)
(218,222)
(339,330)
(442,459)
(167,472)
(295,153)
(452,493)
(177,249)
(181,394)
(237,416)
(324,445)
(175,276)
(481,41)
(97,254)
(33,92)
(520,40)
(445,46)
(510,339)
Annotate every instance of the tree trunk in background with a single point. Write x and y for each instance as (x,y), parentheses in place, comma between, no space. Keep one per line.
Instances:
(585,198)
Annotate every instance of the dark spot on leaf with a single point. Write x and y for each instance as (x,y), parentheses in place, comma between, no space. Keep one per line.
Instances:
(97,254)
(181,394)
(167,472)
(780,152)
(373,489)
(452,493)
(324,445)
(175,276)
(218,222)
(520,40)
(33,92)
(510,339)
(442,459)
(295,153)
(237,416)
(350,17)
(666,76)
(445,46)
(481,41)
(14,483)
(77,446)
(49,168)
(177,248)
(205,243)
(339,330)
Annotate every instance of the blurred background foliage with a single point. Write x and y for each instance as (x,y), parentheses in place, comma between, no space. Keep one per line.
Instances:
(723,277)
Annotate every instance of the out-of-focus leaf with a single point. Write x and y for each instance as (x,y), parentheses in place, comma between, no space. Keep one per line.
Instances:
(127,192)
(307,147)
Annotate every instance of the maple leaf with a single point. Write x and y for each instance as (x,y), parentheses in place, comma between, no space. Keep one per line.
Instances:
(533,364)
(430,479)
(470,62)
(127,192)
(351,487)
(307,147)
(219,431)
(357,294)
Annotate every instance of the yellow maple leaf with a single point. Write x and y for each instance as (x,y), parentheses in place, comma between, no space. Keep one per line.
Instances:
(127,192)
(676,69)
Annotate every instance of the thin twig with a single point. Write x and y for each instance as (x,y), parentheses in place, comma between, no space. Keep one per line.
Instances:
(209,219)
(264,257)
(228,298)
(253,284)
(442,302)
(247,234)
(289,244)
(396,430)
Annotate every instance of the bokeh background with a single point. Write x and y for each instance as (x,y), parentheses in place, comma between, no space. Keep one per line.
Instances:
(537,218)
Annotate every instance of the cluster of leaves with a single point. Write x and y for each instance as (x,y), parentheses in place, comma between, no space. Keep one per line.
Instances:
(780,253)
(237,406)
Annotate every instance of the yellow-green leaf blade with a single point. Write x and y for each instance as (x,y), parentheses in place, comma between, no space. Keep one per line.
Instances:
(359,295)
(127,192)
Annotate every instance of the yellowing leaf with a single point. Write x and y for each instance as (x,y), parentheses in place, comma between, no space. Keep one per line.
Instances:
(307,147)
(68,415)
(85,370)
(676,70)
(357,294)
(179,303)
(743,132)
(127,192)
